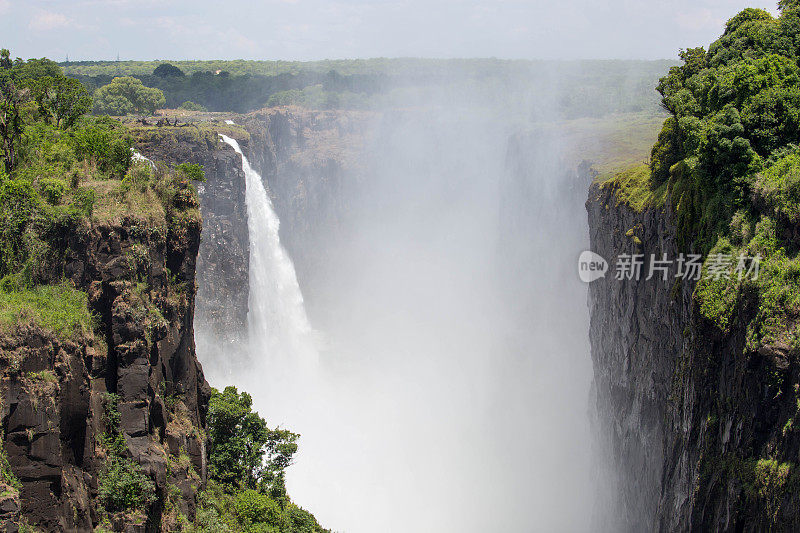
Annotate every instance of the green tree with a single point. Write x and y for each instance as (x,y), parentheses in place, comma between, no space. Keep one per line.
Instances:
(191,106)
(165,70)
(12,98)
(243,451)
(34,69)
(127,95)
(61,100)
(5,59)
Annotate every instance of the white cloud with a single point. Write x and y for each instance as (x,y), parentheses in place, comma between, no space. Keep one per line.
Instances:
(49,20)
(5,5)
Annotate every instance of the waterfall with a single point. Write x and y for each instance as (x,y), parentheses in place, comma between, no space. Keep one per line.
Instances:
(279,329)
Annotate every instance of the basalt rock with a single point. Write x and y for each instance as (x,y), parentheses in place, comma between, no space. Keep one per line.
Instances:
(223,260)
(54,389)
(698,427)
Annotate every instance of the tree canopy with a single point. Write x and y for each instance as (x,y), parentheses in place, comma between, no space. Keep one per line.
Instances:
(126,95)
(243,450)
(61,100)
(58,99)
(166,70)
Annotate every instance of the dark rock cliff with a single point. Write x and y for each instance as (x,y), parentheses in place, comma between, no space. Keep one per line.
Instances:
(140,281)
(686,412)
(223,260)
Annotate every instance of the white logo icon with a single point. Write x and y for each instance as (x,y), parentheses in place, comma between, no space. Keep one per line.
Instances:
(591,266)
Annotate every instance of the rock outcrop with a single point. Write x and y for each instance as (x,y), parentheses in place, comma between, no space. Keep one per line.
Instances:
(140,282)
(222,266)
(699,429)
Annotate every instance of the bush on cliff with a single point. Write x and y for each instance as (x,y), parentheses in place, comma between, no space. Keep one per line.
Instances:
(122,486)
(247,461)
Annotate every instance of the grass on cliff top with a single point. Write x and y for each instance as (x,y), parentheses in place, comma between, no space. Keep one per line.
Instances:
(193,128)
(115,202)
(59,308)
(634,187)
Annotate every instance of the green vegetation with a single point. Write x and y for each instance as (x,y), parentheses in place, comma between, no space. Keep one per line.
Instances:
(57,308)
(635,187)
(727,162)
(65,172)
(728,159)
(191,106)
(60,100)
(247,460)
(7,476)
(122,486)
(127,95)
(62,172)
(585,88)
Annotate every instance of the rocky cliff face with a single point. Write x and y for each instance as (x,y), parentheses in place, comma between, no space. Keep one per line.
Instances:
(688,414)
(140,281)
(223,261)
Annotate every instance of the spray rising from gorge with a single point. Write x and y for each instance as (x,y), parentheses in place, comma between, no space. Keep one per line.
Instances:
(451,379)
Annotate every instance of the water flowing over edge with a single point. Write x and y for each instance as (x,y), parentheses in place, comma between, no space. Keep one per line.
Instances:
(279,329)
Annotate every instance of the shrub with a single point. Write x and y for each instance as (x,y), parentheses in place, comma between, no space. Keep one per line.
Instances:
(52,190)
(18,203)
(779,187)
(191,106)
(109,149)
(122,486)
(191,171)
(252,507)
(666,152)
(83,201)
(6,474)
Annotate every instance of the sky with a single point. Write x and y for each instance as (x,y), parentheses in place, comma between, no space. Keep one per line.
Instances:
(339,29)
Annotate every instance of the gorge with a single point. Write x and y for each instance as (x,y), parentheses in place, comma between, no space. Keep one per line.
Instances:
(366,263)
(368,305)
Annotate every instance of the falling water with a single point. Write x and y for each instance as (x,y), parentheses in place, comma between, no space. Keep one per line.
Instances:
(278,325)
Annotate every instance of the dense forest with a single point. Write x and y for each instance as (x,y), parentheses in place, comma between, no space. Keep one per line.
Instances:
(585,88)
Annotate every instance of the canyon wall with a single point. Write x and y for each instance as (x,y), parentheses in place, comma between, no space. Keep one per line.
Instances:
(223,259)
(58,391)
(310,162)
(699,428)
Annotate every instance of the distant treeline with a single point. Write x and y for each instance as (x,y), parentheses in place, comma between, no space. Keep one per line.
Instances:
(583,88)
